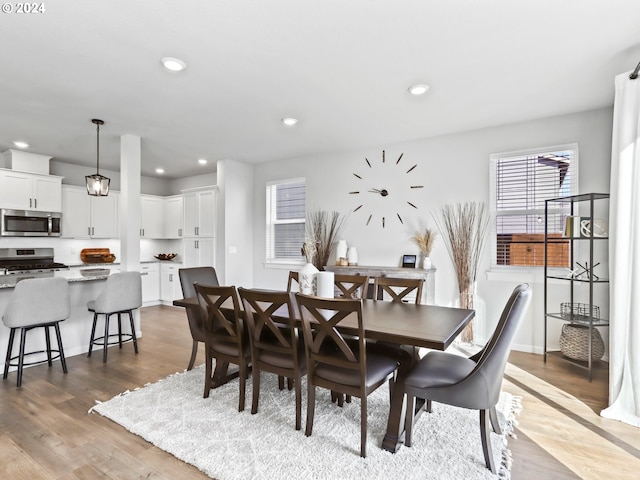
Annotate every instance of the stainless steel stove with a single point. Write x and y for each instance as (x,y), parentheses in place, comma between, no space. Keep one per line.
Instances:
(15,261)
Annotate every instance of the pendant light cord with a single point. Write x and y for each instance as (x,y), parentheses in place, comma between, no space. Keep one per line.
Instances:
(98,148)
(634,74)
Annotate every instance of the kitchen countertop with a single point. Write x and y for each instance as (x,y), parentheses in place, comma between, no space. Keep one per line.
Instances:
(72,275)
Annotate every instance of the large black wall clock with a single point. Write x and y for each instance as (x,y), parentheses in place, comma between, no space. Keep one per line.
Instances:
(382,185)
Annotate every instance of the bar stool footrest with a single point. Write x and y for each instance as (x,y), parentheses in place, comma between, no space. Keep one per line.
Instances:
(35,362)
(126,337)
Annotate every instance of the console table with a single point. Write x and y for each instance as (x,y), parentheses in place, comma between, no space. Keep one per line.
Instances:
(429,276)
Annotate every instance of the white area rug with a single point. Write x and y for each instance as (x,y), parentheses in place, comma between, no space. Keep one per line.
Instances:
(229,445)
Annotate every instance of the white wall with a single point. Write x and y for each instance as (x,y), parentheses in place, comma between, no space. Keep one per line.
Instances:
(452,168)
(234,229)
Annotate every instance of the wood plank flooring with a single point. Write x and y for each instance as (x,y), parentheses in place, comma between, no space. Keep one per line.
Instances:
(46,431)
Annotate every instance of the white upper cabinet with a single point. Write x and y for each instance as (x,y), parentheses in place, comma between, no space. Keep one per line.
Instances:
(151,216)
(199,213)
(85,216)
(27,191)
(173,216)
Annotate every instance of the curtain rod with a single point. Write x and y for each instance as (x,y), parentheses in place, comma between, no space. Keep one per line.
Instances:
(634,74)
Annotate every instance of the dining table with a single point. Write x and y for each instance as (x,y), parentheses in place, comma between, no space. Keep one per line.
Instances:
(398,324)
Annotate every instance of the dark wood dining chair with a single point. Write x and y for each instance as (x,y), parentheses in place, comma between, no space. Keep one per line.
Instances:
(189,276)
(351,286)
(398,288)
(336,364)
(473,382)
(275,346)
(293,277)
(225,339)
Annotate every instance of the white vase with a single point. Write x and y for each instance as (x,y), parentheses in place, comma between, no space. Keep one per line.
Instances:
(352,256)
(426,262)
(341,251)
(308,279)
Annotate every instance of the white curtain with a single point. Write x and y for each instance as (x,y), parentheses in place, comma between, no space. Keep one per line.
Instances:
(624,255)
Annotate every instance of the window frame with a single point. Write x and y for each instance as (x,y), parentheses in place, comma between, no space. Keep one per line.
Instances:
(493,196)
(270,222)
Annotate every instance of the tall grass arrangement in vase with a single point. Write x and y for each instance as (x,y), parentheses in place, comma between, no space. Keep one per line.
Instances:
(425,241)
(323,229)
(464,231)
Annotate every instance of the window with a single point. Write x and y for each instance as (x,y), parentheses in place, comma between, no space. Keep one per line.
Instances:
(520,184)
(285,220)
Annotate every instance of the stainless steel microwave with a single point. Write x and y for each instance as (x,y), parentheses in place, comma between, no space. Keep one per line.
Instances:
(28,223)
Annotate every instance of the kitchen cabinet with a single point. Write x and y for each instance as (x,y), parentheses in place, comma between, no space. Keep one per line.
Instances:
(173,216)
(150,275)
(199,213)
(28,191)
(198,252)
(170,288)
(151,217)
(85,216)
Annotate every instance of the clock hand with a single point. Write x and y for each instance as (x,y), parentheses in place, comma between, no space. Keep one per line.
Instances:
(382,192)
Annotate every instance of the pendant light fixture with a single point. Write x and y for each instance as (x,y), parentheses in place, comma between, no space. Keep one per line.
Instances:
(97,185)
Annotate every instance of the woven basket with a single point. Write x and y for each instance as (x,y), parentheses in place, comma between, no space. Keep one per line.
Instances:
(574,342)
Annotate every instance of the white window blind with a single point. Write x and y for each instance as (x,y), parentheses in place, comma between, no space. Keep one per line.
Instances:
(521,182)
(285,218)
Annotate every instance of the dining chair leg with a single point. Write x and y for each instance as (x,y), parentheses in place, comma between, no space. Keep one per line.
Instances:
(12,334)
(486,441)
(256,390)
(194,352)
(47,338)
(298,388)
(494,420)
(63,360)
(133,332)
(243,384)
(363,426)
(289,383)
(93,333)
(408,420)
(208,373)
(311,406)
(280,382)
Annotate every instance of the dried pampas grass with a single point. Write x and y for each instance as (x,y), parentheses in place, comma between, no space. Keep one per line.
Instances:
(425,241)
(464,230)
(322,229)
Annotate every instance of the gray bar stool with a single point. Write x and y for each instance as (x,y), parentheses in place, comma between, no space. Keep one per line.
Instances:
(35,303)
(122,294)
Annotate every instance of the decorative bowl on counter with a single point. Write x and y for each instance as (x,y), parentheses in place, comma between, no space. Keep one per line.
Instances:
(97,255)
(165,256)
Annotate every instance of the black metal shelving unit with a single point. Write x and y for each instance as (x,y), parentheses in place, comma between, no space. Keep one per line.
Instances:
(590,317)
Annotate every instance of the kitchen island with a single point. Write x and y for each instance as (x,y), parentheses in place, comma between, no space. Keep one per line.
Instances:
(85,284)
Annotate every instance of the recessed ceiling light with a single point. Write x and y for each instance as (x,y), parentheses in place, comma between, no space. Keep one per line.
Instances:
(419,89)
(202,161)
(160,170)
(173,64)
(289,121)
(20,144)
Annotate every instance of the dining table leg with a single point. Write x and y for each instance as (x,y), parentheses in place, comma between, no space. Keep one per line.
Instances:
(394,438)
(222,374)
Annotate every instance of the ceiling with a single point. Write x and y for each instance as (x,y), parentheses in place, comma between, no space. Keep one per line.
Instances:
(341,67)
